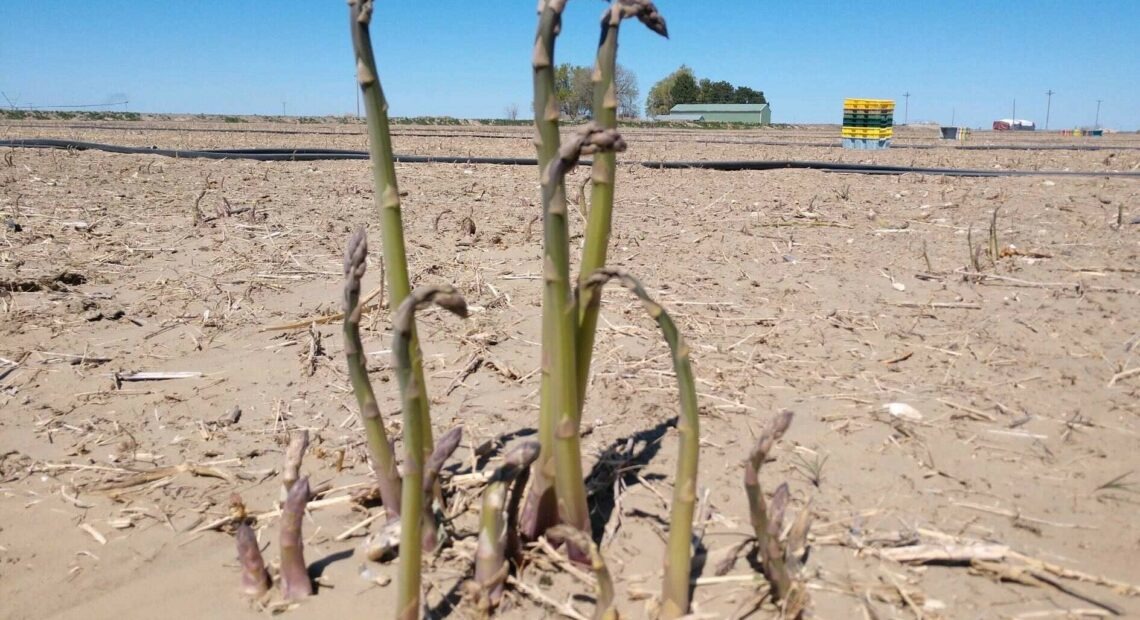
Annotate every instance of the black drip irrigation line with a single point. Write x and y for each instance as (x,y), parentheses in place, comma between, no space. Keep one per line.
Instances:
(646,131)
(727,166)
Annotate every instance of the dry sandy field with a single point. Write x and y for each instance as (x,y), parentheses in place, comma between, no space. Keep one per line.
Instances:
(967,427)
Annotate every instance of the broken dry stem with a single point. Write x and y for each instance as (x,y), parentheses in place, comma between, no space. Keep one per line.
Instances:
(294,453)
(387,191)
(678,556)
(379,447)
(412,500)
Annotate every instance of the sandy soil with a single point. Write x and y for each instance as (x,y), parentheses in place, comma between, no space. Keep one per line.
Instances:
(832,295)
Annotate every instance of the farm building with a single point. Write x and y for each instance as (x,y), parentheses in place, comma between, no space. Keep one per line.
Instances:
(1015,124)
(756,113)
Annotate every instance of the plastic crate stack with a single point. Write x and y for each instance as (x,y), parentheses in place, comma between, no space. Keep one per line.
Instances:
(868,123)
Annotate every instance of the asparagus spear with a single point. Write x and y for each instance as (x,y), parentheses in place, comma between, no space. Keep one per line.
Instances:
(384,178)
(412,500)
(295,582)
(379,447)
(678,556)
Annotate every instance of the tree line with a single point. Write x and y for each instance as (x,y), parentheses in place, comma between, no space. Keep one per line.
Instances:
(575,88)
(682,86)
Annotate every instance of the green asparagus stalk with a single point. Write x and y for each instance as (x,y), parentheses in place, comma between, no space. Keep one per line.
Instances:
(412,501)
(491,567)
(444,448)
(678,556)
(559,386)
(604,608)
(254,577)
(387,191)
(600,216)
(379,447)
(295,582)
(568,479)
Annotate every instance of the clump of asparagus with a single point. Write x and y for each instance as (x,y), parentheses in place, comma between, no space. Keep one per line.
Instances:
(570,313)
(557,491)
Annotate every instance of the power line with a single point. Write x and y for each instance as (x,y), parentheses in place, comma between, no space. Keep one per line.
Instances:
(78,105)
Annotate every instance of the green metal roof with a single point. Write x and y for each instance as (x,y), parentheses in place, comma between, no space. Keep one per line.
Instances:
(696,108)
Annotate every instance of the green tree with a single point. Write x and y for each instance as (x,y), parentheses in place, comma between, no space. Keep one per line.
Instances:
(682,86)
(660,99)
(716,92)
(575,90)
(744,94)
(685,89)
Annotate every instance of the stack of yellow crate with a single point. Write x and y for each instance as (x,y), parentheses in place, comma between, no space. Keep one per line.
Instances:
(868,123)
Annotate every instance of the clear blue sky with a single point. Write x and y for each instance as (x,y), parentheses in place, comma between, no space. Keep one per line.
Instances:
(970,58)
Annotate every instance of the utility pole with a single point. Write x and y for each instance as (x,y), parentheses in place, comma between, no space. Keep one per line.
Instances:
(1096,124)
(282,107)
(1048,107)
(1014,119)
(906,108)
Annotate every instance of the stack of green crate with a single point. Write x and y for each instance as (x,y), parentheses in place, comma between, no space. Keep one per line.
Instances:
(868,123)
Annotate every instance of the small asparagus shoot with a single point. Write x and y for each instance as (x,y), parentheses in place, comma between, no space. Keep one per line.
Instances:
(379,448)
(295,582)
(678,556)
(768,438)
(254,577)
(444,448)
(491,567)
(767,521)
(411,394)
